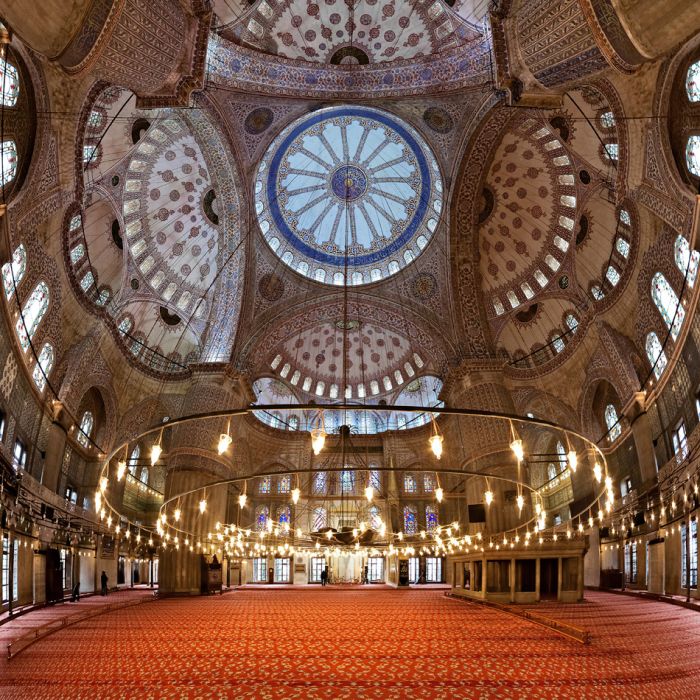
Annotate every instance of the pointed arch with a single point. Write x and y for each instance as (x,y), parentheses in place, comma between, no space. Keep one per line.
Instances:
(32,314)
(655,354)
(667,303)
(43,367)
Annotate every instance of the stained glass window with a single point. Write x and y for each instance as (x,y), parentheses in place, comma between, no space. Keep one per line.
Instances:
(558,344)
(32,313)
(612,275)
(607,119)
(428,483)
(409,483)
(284,484)
(597,292)
(8,162)
(656,354)
(91,154)
(410,521)
(375,479)
(102,297)
(320,482)
(667,303)
(622,246)
(13,272)
(686,260)
(284,515)
(375,518)
(87,281)
(692,155)
(320,519)
(95,119)
(692,82)
(125,325)
(43,367)
(77,253)
(431,518)
(264,484)
(133,459)
(262,513)
(611,151)
(347,481)
(625,217)
(612,421)
(86,424)
(10,84)
(75,222)
(571,322)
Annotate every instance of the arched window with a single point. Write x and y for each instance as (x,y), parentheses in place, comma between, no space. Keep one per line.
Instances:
(264,484)
(562,461)
(409,483)
(320,482)
(261,515)
(91,155)
(86,424)
(375,479)
(612,274)
(9,89)
(431,518)
(320,519)
(293,422)
(347,481)
(692,82)
(692,155)
(144,475)
(666,302)
(8,161)
(32,313)
(133,460)
(410,521)
(612,421)
(428,483)
(686,260)
(43,367)
(375,518)
(284,484)
(13,272)
(655,354)
(611,152)
(552,471)
(558,344)
(571,322)
(284,515)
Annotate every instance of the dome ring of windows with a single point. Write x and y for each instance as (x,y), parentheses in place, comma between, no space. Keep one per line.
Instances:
(348,185)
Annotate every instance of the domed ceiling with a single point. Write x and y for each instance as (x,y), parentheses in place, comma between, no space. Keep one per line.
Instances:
(346,32)
(348,190)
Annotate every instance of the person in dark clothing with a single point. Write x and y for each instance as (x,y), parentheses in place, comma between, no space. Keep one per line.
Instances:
(324,577)
(75,595)
(103,581)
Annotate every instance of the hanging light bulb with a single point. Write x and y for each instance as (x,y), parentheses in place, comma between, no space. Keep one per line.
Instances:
(155,453)
(597,472)
(369,493)
(439,494)
(520,501)
(203,505)
(176,514)
(242,498)
(121,469)
(98,501)
(225,441)
(518,451)
(318,440)
(329,534)
(103,484)
(295,496)
(436,445)
(573,460)
(488,497)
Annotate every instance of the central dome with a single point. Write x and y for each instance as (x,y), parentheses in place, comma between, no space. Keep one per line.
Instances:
(348,187)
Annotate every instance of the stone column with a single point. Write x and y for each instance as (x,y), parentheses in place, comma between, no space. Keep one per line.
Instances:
(580,578)
(635,412)
(537,580)
(483,578)
(559,577)
(512,580)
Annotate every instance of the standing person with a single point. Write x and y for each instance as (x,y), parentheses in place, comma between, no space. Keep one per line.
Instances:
(103,581)
(324,576)
(75,595)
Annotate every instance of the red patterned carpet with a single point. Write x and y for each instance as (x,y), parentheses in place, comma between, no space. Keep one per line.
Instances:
(331,643)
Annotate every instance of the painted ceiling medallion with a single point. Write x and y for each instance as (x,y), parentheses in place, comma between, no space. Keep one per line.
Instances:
(348,182)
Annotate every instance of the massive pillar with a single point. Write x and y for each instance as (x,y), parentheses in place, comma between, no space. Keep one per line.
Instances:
(643,438)
(55,446)
(156,49)
(193,463)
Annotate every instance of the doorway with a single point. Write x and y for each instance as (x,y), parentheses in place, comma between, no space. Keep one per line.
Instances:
(549,578)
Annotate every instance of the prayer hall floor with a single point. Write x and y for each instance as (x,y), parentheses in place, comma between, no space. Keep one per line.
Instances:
(361,643)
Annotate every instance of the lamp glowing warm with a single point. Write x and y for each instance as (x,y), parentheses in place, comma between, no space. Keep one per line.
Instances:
(318,440)
(103,484)
(573,460)
(121,470)
(518,451)
(597,472)
(224,443)
(488,497)
(98,501)
(439,494)
(520,501)
(436,445)
(177,514)
(329,534)
(242,500)
(203,505)
(155,454)
(295,495)
(369,494)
